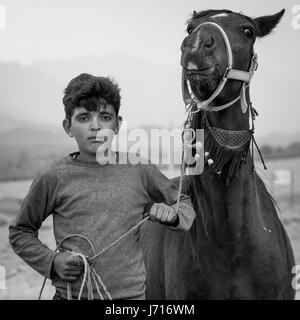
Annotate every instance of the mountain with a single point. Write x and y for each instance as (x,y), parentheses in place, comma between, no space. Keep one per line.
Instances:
(28,94)
(31,108)
(9,123)
(151,92)
(20,135)
(26,136)
(24,150)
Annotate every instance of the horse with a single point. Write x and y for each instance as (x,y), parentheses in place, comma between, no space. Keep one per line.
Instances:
(237,247)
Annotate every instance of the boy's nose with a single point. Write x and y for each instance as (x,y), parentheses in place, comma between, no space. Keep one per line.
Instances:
(95,124)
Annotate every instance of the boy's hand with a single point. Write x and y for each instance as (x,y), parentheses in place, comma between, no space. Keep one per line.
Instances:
(163,213)
(67,266)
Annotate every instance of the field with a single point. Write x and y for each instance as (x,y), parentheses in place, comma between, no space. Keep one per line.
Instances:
(24,283)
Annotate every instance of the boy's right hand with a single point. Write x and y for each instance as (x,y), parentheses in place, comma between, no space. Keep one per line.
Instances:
(67,266)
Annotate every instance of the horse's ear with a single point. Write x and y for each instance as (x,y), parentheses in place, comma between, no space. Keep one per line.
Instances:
(266,24)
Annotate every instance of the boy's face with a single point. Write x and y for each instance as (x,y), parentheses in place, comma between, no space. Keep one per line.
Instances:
(85,125)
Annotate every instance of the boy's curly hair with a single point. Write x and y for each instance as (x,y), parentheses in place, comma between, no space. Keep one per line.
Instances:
(85,90)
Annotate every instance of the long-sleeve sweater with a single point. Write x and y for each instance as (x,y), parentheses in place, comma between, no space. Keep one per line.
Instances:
(100,202)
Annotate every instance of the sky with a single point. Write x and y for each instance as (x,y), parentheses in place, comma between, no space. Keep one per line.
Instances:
(153,31)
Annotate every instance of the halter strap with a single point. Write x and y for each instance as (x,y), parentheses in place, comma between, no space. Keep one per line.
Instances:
(245,76)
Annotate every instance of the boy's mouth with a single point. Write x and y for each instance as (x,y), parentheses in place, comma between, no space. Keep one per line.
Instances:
(98,138)
(103,136)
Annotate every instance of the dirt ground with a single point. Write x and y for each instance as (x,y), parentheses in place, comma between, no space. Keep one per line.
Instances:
(22,282)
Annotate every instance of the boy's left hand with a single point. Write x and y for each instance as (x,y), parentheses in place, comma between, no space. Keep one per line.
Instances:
(163,213)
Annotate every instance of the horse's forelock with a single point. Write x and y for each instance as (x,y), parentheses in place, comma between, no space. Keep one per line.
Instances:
(204,13)
(201,14)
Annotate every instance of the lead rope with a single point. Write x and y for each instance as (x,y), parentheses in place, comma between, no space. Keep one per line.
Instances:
(187,126)
(88,269)
(180,186)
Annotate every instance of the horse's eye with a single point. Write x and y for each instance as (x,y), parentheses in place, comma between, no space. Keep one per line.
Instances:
(248,32)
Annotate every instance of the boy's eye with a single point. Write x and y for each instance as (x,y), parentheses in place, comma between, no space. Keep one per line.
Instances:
(106,118)
(83,118)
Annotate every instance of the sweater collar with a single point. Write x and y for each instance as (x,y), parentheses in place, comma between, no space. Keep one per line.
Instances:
(73,159)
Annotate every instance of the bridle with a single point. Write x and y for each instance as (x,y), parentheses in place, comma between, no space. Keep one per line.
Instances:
(225,148)
(230,73)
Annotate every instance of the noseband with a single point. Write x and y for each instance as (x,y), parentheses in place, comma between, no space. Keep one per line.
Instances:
(230,73)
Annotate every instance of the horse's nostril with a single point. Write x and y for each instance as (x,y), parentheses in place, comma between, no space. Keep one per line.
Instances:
(209,42)
(184,44)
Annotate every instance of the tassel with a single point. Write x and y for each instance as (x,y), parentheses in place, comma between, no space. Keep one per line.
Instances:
(225,152)
(228,149)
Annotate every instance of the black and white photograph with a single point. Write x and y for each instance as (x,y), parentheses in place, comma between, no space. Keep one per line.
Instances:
(150,150)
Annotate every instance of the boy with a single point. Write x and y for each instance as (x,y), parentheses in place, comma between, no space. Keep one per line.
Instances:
(98,201)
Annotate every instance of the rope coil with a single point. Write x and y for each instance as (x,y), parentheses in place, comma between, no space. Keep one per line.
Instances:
(90,276)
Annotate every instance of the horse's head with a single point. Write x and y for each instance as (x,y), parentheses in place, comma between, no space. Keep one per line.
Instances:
(218,62)
(213,36)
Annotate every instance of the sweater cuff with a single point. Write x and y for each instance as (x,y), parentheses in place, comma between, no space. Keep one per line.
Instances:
(186,216)
(49,271)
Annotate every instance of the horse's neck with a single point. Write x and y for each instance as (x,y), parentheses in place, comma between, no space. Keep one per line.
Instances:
(219,204)
(223,208)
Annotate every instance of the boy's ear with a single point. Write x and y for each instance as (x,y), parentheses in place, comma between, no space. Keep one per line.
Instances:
(119,124)
(266,24)
(67,126)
